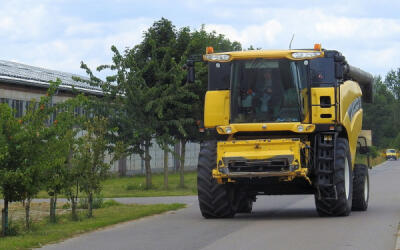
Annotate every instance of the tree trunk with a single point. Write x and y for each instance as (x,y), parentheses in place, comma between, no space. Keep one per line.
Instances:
(4,218)
(74,202)
(122,166)
(90,205)
(147,159)
(165,168)
(182,164)
(27,213)
(73,209)
(53,206)
(176,157)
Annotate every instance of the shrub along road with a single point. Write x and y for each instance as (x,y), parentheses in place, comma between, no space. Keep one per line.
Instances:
(278,222)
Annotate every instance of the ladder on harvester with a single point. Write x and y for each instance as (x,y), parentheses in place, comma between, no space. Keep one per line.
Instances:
(324,157)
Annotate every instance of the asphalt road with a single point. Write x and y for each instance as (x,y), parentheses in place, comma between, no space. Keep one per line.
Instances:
(277,222)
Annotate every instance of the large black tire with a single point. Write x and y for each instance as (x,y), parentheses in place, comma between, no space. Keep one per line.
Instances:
(360,188)
(343,180)
(215,200)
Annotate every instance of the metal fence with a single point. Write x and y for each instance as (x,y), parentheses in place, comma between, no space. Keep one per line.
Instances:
(135,165)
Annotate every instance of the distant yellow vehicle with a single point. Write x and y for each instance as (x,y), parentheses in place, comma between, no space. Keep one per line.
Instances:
(391,154)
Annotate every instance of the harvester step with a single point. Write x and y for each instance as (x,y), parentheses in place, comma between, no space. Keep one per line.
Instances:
(325,158)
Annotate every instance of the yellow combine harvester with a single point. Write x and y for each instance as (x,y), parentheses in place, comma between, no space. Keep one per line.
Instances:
(391,154)
(283,122)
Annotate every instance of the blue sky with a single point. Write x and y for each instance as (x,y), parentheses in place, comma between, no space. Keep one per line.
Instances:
(58,34)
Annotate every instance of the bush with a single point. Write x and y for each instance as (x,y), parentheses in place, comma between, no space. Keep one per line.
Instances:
(373,152)
(97,202)
(110,203)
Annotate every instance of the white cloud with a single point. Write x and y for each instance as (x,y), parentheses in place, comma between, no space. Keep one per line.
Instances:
(368,42)
(250,35)
(44,34)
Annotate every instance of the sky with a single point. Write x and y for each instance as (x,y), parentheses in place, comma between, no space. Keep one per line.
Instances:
(59,34)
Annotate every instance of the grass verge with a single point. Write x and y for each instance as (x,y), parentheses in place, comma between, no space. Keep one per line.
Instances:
(43,232)
(362,159)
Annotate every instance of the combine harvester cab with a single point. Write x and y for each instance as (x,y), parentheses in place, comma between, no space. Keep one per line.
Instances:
(282,122)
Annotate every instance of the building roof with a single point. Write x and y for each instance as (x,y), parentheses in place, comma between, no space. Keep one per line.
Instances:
(18,73)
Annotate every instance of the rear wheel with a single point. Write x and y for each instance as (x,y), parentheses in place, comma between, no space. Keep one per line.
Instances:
(360,188)
(342,179)
(215,200)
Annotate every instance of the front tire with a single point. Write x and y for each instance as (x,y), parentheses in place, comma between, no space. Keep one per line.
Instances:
(342,181)
(360,188)
(215,200)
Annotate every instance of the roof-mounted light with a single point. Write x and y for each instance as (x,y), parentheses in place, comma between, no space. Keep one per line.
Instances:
(209,50)
(217,57)
(317,46)
(305,54)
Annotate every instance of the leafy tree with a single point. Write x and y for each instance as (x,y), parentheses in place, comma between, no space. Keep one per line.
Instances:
(392,80)
(10,161)
(386,107)
(128,97)
(90,157)
(37,132)
(194,113)
(147,97)
(64,129)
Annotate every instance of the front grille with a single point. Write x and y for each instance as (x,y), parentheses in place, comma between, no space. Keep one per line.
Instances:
(259,165)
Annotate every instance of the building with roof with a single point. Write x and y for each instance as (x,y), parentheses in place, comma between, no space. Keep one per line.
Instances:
(20,83)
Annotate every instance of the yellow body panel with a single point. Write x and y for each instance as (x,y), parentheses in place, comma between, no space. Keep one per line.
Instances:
(350,113)
(216,108)
(261,149)
(258,149)
(322,114)
(270,54)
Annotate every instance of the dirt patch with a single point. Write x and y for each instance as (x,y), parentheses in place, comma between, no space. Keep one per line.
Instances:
(38,211)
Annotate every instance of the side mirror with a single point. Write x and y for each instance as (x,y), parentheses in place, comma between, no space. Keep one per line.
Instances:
(190,71)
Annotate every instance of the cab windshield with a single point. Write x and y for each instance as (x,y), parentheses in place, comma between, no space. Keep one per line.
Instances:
(265,90)
(390,151)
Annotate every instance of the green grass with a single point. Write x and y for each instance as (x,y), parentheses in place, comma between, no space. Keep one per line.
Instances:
(44,232)
(362,159)
(135,186)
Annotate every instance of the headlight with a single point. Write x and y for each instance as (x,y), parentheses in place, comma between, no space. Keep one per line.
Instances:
(305,54)
(300,128)
(228,130)
(216,57)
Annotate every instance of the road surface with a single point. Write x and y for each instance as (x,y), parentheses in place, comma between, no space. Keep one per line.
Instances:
(277,222)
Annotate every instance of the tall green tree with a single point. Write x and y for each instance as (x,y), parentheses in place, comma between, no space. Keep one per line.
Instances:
(147,97)
(199,40)
(128,105)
